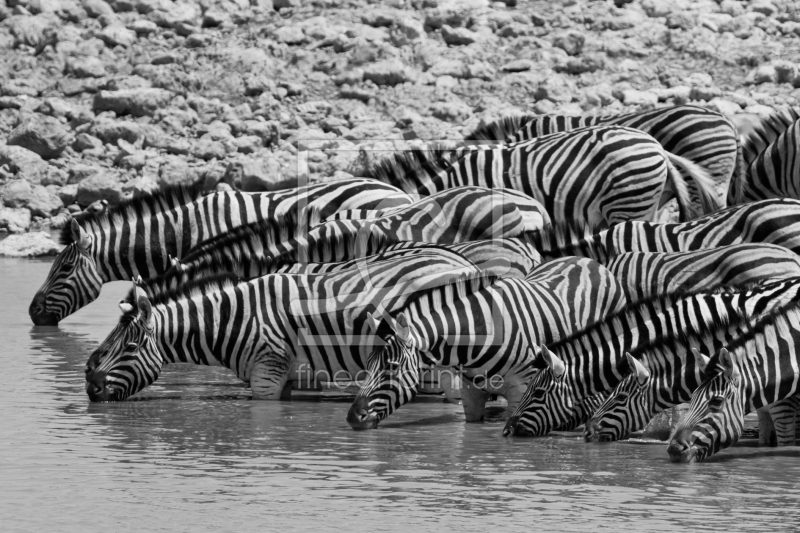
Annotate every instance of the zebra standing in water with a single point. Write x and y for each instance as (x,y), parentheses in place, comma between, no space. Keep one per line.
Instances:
(452,216)
(588,362)
(767,221)
(268,330)
(138,237)
(488,333)
(754,371)
(596,175)
(700,135)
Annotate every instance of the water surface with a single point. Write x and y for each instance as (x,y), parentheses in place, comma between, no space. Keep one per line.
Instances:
(194,453)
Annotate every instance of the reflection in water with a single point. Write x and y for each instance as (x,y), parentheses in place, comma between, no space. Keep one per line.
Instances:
(195,450)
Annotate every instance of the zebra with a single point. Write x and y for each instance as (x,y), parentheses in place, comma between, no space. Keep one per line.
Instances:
(137,237)
(266,330)
(774,221)
(756,370)
(595,175)
(698,134)
(488,334)
(587,362)
(645,273)
(452,216)
(775,172)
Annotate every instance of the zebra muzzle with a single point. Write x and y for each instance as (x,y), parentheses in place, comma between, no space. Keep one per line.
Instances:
(359,416)
(38,312)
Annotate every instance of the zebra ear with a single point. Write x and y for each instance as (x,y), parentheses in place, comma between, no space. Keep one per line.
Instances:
(402,329)
(145,311)
(701,360)
(729,368)
(79,235)
(125,307)
(639,370)
(556,365)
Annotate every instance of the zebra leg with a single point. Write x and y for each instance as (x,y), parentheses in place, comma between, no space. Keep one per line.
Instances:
(450,382)
(269,377)
(783,418)
(766,430)
(473,399)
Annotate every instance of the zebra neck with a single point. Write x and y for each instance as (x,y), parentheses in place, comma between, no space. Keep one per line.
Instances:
(592,356)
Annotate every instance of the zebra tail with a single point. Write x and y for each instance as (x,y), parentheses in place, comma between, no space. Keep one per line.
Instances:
(705,185)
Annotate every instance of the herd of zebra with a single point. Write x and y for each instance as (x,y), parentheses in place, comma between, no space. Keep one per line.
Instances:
(527,260)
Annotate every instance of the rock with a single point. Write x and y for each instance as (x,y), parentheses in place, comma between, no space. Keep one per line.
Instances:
(208,149)
(458,36)
(138,102)
(68,193)
(732,8)
(24,163)
(86,67)
(44,203)
(599,95)
(388,72)
(518,65)
(175,15)
(97,8)
(765,74)
(17,193)
(451,111)
(556,89)
(571,42)
(117,35)
(705,93)
(407,30)
(264,174)
(15,220)
(640,98)
(764,7)
(449,67)
(80,172)
(481,70)
(31,31)
(42,135)
(98,187)
(349,77)
(681,20)
(290,35)
(173,170)
(143,27)
(726,107)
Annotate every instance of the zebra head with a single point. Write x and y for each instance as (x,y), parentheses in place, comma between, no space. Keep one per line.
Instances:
(627,405)
(128,360)
(715,417)
(632,404)
(546,404)
(392,376)
(73,282)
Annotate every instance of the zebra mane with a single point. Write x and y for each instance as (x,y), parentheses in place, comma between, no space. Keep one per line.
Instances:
(336,248)
(179,285)
(160,200)
(562,236)
(269,232)
(499,130)
(408,170)
(658,303)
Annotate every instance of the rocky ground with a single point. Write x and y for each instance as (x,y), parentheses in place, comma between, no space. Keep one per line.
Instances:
(100,99)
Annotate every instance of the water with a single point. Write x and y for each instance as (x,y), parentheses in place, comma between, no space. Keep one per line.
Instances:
(194,453)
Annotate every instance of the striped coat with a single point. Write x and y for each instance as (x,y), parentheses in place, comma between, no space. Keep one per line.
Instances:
(758,369)
(138,237)
(588,362)
(452,216)
(270,331)
(767,221)
(489,334)
(597,175)
(698,134)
